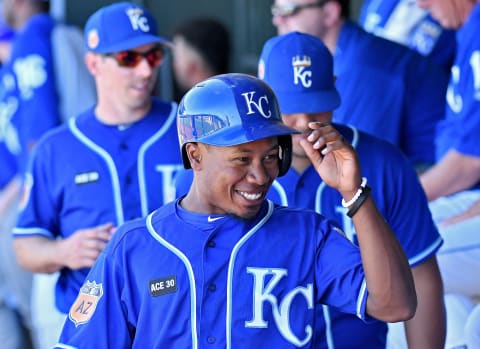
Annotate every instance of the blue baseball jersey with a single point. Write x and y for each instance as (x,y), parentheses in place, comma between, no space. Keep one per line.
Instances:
(86,173)
(400,199)
(9,140)
(425,36)
(389,91)
(35,93)
(460,129)
(185,280)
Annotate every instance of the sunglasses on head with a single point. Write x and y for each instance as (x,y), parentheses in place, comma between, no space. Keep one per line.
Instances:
(290,9)
(131,59)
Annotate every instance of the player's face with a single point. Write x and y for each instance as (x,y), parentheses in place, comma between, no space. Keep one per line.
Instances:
(125,86)
(235,179)
(300,122)
(8,11)
(306,19)
(184,58)
(451,14)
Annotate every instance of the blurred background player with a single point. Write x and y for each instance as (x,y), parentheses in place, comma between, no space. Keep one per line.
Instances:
(125,152)
(15,283)
(452,184)
(299,68)
(404,22)
(201,50)
(396,88)
(37,101)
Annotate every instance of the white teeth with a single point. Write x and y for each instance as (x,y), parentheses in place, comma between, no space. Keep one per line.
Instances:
(249,196)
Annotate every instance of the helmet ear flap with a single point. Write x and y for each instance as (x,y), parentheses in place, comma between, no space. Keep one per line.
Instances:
(285,143)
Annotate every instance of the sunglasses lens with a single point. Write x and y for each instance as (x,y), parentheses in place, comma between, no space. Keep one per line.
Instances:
(128,58)
(131,59)
(154,57)
(284,11)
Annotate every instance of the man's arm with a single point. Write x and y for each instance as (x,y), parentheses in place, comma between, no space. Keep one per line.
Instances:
(455,172)
(388,275)
(41,254)
(426,330)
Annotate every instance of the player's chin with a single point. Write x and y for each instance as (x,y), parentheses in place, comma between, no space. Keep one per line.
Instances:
(248,205)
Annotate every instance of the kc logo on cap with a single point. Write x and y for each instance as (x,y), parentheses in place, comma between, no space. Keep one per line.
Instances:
(121,26)
(299,69)
(138,20)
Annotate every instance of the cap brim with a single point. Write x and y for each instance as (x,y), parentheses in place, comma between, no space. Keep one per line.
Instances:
(308,102)
(135,42)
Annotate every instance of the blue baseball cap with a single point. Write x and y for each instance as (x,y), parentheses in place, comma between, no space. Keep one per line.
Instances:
(119,27)
(299,69)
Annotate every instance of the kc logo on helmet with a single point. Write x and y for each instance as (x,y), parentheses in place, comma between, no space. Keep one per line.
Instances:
(138,20)
(262,104)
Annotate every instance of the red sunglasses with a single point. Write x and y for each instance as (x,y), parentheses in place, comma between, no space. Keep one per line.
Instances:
(131,59)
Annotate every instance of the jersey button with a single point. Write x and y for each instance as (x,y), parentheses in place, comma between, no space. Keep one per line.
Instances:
(212,287)
(123,146)
(212,243)
(211,340)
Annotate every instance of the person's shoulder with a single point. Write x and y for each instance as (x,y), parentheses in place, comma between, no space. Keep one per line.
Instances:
(293,214)
(378,52)
(63,132)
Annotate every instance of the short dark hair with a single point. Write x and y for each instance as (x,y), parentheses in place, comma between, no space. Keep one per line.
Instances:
(211,38)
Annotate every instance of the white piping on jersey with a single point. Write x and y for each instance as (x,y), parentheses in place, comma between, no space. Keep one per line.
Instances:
(33,231)
(141,158)
(231,265)
(281,192)
(328,327)
(426,252)
(110,164)
(63,346)
(361,296)
(191,276)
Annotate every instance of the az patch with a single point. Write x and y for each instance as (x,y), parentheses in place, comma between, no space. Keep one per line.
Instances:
(84,306)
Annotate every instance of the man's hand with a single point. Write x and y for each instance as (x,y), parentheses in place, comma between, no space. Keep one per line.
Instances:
(471,212)
(82,249)
(334,158)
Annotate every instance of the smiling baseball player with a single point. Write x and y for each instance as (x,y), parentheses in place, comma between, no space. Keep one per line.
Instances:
(224,268)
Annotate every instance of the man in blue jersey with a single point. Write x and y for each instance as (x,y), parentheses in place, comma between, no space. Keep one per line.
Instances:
(402,21)
(111,163)
(34,100)
(388,90)
(452,184)
(299,68)
(223,267)
(14,281)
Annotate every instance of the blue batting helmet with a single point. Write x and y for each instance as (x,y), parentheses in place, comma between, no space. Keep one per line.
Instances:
(232,109)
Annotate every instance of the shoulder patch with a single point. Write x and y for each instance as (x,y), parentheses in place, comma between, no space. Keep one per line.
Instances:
(84,306)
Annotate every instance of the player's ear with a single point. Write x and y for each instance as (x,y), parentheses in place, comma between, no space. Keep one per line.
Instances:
(193,151)
(91,61)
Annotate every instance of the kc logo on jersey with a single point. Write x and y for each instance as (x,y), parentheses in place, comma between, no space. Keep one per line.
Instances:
(31,74)
(301,72)
(262,293)
(84,306)
(261,104)
(138,20)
